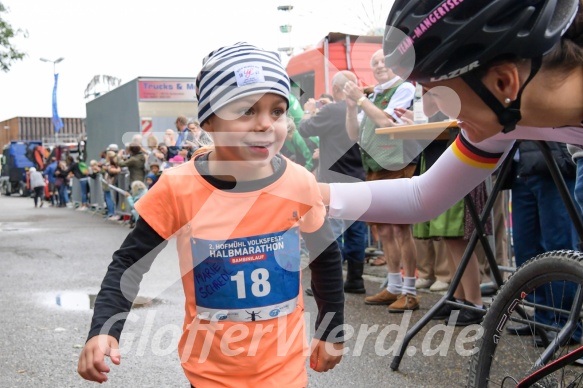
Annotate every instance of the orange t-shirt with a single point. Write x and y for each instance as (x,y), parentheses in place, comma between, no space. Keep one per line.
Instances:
(239,261)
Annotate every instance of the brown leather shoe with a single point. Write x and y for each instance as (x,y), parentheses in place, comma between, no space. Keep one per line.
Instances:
(384,297)
(404,303)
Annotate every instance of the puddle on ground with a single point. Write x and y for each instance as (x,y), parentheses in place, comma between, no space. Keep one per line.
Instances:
(17,227)
(80,301)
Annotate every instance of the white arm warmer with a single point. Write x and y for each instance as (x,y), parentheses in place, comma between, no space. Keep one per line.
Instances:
(408,201)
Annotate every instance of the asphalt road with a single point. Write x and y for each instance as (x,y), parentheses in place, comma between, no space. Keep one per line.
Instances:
(52,260)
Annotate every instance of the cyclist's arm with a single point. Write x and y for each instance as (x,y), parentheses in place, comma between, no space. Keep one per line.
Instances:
(407,201)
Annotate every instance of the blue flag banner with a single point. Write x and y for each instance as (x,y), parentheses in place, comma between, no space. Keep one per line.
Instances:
(57,122)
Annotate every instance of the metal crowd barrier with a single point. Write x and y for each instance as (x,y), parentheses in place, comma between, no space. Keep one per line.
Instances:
(97,198)
(118,195)
(75,192)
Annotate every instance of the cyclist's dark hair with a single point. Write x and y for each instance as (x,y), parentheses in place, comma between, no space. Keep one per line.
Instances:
(568,53)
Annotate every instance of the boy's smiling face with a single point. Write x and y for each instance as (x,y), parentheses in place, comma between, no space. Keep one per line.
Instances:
(249,131)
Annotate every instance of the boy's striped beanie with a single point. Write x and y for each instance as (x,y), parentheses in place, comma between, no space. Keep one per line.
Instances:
(237,71)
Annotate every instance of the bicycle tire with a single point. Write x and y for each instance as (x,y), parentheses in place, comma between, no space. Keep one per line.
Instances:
(501,359)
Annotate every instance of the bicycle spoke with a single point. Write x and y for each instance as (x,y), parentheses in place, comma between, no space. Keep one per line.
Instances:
(503,359)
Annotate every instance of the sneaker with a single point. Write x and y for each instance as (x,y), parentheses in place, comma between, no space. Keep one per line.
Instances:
(406,302)
(466,317)
(521,329)
(41,203)
(444,312)
(114,218)
(423,283)
(309,292)
(382,298)
(552,336)
(439,286)
(81,208)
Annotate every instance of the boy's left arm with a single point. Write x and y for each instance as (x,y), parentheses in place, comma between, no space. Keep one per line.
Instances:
(327,286)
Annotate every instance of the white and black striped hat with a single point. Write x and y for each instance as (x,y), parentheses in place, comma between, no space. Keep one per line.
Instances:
(237,71)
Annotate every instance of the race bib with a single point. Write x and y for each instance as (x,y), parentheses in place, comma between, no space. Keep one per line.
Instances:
(247,279)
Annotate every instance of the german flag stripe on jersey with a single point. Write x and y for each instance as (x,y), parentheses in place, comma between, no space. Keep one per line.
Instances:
(473,156)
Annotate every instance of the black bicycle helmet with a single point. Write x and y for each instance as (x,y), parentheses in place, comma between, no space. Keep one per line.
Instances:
(452,37)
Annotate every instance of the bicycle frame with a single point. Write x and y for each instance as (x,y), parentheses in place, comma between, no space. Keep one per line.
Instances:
(559,363)
(478,234)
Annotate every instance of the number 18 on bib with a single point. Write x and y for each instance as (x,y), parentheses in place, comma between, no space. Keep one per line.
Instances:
(247,279)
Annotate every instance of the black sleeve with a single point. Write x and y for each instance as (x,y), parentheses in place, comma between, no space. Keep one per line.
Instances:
(132,260)
(318,124)
(327,283)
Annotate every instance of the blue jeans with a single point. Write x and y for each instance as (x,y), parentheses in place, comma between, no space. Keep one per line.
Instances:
(63,194)
(109,203)
(351,237)
(579,184)
(540,223)
(84,182)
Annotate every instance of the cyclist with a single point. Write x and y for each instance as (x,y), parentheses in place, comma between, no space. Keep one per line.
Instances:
(518,68)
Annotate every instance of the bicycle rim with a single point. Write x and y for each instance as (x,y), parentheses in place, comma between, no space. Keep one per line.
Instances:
(502,359)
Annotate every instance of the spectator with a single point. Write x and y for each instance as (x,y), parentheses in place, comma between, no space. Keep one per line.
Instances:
(81,172)
(49,173)
(110,171)
(177,160)
(94,169)
(138,189)
(37,184)
(324,99)
(541,223)
(434,269)
(135,162)
(295,148)
(162,154)
(154,156)
(199,137)
(182,130)
(150,180)
(62,183)
(155,170)
(386,159)
(169,138)
(340,161)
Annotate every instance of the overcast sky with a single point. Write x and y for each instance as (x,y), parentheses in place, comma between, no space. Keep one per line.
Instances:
(147,38)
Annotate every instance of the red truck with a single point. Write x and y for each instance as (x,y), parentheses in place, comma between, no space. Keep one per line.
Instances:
(311,71)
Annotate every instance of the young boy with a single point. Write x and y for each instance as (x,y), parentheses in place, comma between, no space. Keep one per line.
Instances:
(237,210)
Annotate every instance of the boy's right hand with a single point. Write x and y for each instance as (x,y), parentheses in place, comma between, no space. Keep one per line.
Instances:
(92,364)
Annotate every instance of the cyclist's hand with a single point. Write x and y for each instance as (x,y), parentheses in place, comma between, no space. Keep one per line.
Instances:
(92,364)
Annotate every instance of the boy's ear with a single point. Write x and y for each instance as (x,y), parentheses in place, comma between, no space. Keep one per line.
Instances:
(207,126)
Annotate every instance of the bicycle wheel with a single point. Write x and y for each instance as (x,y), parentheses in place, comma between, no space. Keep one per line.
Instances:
(502,359)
